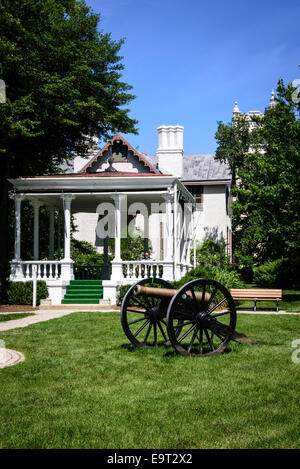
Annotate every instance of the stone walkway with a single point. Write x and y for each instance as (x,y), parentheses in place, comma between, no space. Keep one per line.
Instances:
(45,315)
(41,316)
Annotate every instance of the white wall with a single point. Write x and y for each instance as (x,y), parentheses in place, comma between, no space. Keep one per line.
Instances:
(213,218)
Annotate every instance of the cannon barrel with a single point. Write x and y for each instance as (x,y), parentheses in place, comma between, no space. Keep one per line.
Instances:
(165,292)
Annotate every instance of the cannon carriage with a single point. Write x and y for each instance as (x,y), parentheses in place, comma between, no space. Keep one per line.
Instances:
(198,320)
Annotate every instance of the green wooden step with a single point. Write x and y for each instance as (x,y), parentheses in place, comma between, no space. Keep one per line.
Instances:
(83,292)
(86,282)
(78,301)
(82,295)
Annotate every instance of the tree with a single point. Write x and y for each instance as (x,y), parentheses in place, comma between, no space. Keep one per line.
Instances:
(233,141)
(266,212)
(63,84)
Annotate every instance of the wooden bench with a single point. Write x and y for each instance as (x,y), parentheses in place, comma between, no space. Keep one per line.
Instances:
(256,295)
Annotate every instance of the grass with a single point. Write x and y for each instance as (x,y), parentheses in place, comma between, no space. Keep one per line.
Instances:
(11,316)
(83,385)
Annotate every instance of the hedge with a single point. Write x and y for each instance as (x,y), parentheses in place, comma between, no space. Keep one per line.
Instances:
(20,293)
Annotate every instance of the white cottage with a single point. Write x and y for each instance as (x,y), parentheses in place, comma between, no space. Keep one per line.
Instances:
(175,199)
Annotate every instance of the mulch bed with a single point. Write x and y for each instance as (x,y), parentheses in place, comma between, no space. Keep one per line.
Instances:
(16,308)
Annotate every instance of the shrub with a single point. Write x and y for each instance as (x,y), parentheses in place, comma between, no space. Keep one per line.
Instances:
(280,273)
(84,253)
(20,293)
(266,275)
(211,253)
(121,293)
(228,278)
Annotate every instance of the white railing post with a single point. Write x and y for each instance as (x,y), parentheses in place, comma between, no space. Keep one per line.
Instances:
(34,286)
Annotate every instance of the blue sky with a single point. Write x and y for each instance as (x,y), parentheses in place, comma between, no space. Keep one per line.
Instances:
(189,61)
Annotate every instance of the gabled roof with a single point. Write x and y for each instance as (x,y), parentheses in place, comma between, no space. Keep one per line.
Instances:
(119,138)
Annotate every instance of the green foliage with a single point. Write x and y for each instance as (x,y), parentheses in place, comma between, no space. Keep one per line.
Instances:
(233,141)
(266,211)
(83,253)
(63,83)
(280,273)
(266,275)
(123,289)
(132,247)
(211,253)
(228,278)
(20,293)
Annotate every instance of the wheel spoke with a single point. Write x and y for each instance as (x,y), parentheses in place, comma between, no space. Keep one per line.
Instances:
(184,324)
(186,333)
(139,303)
(203,296)
(194,303)
(147,333)
(209,340)
(192,341)
(155,334)
(212,297)
(220,314)
(162,331)
(216,306)
(201,341)
(142,327)
(137,320)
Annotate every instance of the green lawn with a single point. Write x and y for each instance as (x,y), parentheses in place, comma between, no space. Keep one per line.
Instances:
(83,386)
(11,316)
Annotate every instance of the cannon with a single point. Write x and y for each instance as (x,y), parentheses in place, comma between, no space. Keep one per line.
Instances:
(198,319)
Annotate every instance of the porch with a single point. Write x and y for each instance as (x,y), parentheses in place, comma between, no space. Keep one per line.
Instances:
(146,198)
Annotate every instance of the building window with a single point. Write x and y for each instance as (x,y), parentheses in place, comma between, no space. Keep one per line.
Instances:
(197,192)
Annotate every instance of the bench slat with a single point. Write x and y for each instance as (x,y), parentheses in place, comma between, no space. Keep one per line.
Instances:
(256,295)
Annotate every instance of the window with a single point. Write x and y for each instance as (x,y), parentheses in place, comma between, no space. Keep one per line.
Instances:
(197,192)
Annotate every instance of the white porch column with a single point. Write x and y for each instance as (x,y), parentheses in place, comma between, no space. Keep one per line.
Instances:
(36,221)
(16,268)
(168,241)
(169,245)
(188,211)
(51,232)
(175,234)
(67,199)
(116,264)
(146,228)
(67,263)
(118,227)
(18,200)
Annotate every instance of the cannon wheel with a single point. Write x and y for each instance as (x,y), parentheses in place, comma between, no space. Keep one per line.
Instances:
(208,324)
(144,318)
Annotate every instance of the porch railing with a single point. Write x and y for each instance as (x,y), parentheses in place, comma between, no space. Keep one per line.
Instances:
(142,269)
(45,269)
(128,270)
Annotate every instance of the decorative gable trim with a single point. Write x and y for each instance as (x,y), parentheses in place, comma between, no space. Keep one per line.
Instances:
(119,138)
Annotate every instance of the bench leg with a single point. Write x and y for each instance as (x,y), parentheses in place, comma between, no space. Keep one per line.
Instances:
(277,306)
(255,305)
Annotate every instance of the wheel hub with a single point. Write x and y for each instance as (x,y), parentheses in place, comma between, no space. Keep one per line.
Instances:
(155,313)
(201,319)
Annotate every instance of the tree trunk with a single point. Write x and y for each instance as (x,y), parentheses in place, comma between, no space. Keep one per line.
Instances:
(6,231)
